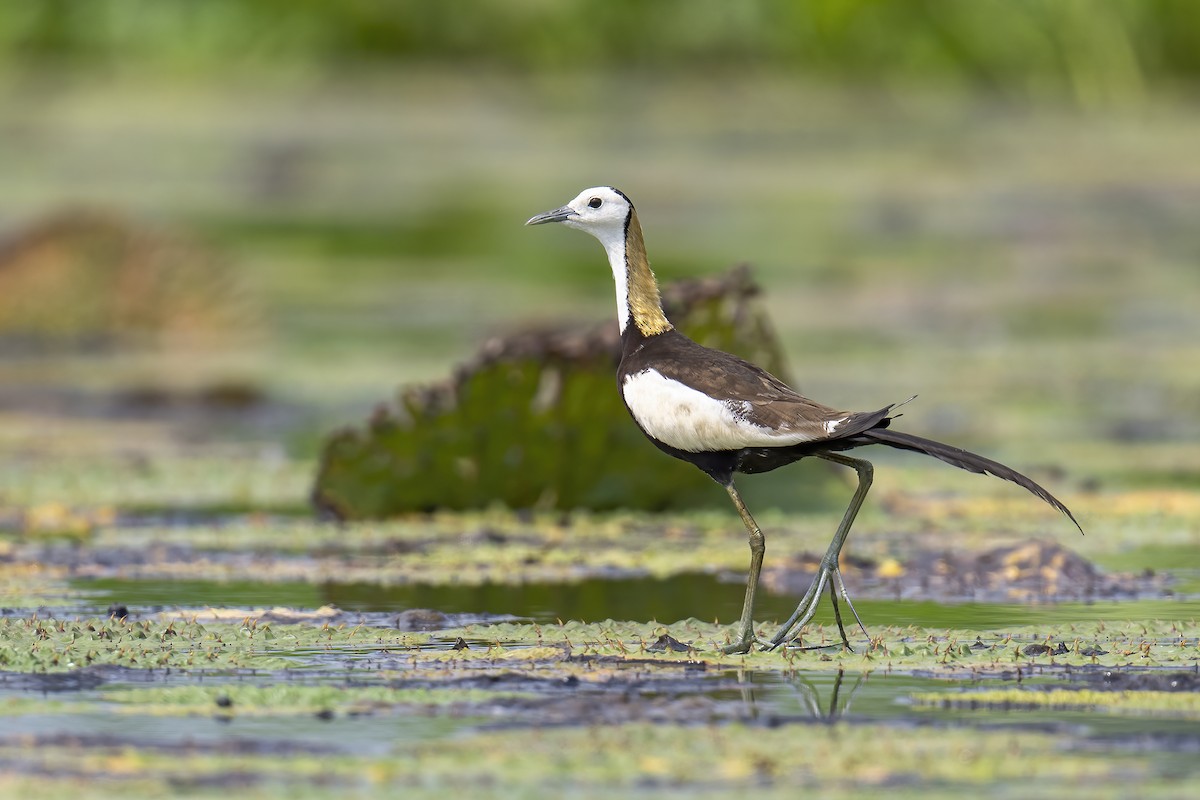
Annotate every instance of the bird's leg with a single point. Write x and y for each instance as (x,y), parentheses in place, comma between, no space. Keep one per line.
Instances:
(745,633)
(829,572)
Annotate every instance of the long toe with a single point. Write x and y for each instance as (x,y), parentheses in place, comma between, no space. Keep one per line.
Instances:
(738,648)
(839,587)
(746,643)
(805,610)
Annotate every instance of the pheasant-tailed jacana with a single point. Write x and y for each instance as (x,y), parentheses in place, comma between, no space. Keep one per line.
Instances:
(726,415)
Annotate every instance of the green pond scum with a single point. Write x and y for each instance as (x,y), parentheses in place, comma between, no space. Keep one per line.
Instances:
(181,641)
(34,644)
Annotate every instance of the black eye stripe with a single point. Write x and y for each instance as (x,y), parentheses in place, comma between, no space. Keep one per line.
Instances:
(595,202)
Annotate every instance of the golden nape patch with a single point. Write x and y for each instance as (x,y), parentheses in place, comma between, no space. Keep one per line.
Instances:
(645,306)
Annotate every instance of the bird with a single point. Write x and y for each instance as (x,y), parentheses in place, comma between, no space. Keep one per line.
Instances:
(728,416)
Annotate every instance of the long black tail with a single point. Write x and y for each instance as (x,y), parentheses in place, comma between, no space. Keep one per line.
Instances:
(964,459)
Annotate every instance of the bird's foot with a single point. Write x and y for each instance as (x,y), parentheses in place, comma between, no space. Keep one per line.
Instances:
(828,575)
(746,641)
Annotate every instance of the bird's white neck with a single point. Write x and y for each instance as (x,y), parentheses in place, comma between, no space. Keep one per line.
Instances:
(637,289)
(614,246)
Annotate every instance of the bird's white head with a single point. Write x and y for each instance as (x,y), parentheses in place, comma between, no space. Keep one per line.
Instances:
(607,214)
(602,211)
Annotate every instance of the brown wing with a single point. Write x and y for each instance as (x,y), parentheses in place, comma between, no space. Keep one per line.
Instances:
(751,392)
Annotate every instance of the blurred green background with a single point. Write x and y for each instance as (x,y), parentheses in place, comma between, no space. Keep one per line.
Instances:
(232,226)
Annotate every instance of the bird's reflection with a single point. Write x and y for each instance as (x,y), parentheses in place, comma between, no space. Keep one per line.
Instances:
(839,701)
(808,691)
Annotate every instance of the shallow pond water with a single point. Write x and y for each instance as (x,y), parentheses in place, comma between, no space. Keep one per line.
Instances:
(767,698)
(702,596)
(282,735)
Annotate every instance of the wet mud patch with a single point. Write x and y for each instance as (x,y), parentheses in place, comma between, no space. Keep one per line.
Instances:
(1022,572)
(77,680)
(481,549)
(542,687)
(563,695)
(1156,681)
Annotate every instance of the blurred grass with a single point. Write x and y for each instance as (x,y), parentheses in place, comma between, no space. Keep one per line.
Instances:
(873,227)
(1091,54)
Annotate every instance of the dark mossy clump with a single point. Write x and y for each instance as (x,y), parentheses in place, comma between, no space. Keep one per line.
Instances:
(534,420)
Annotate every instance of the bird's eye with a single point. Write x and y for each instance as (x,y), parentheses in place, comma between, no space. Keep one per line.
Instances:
(595,202)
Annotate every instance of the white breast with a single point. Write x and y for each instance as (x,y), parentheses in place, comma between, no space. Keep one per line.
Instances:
(684,418)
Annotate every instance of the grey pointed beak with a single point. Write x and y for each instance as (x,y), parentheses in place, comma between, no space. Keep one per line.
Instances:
(557,215)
